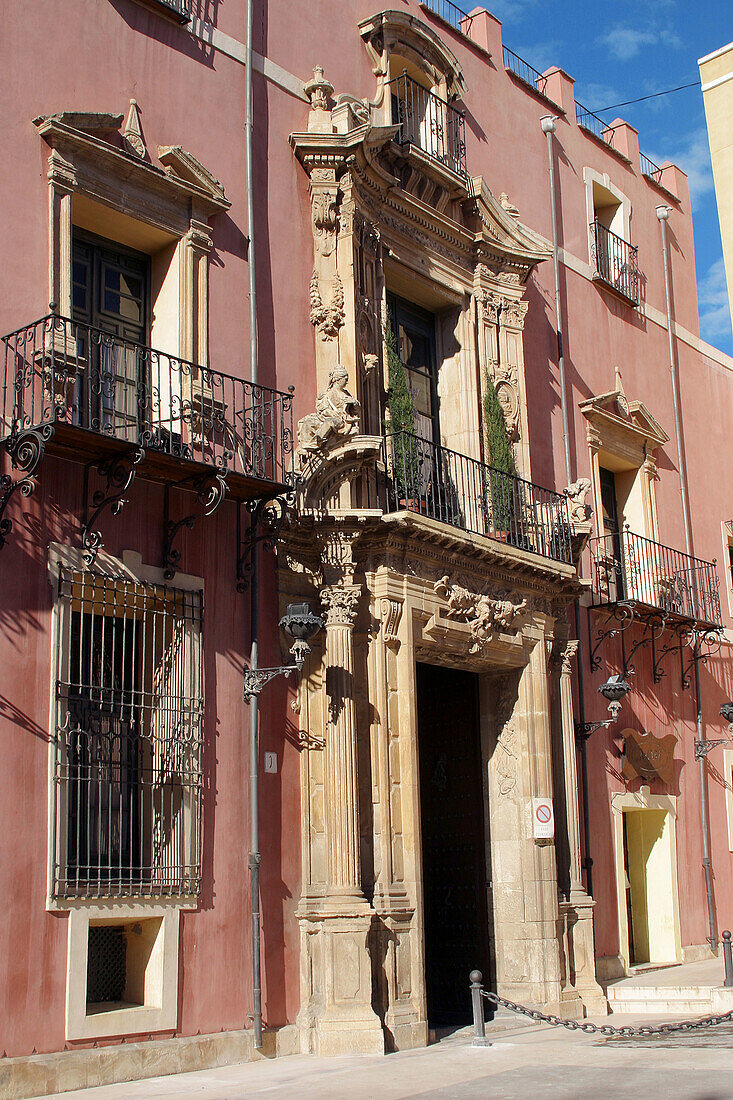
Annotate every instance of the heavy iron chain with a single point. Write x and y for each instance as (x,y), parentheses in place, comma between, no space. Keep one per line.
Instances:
(607,1029)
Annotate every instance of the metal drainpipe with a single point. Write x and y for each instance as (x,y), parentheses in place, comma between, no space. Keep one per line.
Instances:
(549,127)
(254,823)
(663,216)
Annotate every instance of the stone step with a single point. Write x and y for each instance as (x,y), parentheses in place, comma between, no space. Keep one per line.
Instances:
(668,1000)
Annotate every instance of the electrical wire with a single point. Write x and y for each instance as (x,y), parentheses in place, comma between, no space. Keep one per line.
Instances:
(627,102)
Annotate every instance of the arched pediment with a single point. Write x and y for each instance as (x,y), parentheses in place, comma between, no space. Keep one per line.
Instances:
(399,32)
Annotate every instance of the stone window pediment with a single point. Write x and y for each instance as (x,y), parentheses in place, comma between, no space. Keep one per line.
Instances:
(91,145)
(398,32)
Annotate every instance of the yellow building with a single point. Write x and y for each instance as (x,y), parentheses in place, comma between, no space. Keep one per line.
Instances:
(716,75)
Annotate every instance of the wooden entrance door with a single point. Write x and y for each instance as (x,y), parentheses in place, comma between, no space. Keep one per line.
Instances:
(453,841)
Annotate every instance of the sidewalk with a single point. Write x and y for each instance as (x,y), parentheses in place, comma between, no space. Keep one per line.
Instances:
(526,1062)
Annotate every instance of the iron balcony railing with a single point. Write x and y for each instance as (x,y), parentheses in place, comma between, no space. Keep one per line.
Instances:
(432,480)
(628,568)
(616,261)
(649,169)
(593,124)
(60,372)
(521,68)
(428,122)
(182,9)
(451,13)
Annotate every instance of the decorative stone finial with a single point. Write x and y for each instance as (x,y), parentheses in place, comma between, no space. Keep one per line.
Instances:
(132,135)
(318,89)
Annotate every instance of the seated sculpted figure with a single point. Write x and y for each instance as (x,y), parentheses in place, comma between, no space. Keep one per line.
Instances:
(337,413)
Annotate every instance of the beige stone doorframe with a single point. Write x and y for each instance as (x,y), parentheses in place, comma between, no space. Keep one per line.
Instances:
(639,802)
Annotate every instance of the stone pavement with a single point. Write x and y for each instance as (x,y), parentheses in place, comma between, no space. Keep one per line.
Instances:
(527,1062)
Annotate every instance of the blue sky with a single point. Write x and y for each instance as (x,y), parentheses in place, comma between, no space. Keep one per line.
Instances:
(627,48)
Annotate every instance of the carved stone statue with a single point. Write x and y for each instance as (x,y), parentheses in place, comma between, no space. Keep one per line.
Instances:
(576,494)
(485,615)
(337,413)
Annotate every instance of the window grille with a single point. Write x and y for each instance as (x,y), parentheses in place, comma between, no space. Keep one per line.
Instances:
(128,744)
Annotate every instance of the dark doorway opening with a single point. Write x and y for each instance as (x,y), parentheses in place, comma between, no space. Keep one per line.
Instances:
(453,841)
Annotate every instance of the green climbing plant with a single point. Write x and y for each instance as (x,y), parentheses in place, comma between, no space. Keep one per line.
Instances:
(500,488)
(406,460)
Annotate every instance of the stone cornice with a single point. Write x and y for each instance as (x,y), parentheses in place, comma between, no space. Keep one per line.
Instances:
(75,144)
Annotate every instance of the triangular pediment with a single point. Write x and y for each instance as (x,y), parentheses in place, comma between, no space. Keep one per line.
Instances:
(615,407)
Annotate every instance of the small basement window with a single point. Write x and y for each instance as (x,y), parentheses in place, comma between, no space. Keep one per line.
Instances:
(123,965)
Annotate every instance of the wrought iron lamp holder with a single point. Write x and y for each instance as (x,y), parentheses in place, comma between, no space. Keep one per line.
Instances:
(614,690)
(299,623)
(703,747)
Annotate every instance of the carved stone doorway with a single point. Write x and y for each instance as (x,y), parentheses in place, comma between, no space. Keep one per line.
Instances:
(453,840)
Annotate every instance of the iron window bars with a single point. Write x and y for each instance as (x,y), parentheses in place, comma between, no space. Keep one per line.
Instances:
(432,480)
(626,567)
(429,123)
(128,738)
(58,370)
(616,261)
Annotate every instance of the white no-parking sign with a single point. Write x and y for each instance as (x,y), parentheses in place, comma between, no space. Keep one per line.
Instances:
(543,819)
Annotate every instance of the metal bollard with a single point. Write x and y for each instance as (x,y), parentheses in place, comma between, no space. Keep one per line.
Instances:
(477,1000)
(728,960)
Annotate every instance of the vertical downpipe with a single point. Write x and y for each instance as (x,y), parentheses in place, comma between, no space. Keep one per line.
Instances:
(663,216)
(254,822)
(549,126)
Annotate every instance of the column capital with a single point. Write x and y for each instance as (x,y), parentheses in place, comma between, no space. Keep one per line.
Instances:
(340,603)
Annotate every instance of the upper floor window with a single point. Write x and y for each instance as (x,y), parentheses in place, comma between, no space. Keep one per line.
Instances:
(420,78)
(413,329)
(128,738)
(614,259)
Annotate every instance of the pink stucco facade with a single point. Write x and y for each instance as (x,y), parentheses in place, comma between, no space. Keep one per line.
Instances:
(190,90)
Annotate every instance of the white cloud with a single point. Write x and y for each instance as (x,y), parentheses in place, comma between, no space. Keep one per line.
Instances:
(597,96)
(712,296)
(541,56)
(510,11)
(626,42)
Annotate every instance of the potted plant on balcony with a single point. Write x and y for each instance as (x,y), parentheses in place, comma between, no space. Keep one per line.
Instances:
(500,501)
(400,427)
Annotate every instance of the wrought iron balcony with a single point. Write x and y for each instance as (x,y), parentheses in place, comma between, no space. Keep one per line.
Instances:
(616,261)
(434,481)
(429,123)
(89,393)
(627,568)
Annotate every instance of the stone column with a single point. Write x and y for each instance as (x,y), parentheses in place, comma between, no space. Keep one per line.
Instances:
(340,773)
(578,908)
(336,1015)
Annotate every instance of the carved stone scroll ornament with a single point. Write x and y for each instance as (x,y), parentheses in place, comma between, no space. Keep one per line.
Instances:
(576,494)
(337,413)
(485,615)
(327,319)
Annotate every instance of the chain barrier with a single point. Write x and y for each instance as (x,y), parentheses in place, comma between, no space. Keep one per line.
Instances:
(608,1029)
